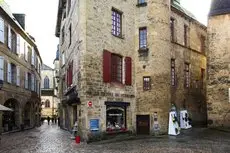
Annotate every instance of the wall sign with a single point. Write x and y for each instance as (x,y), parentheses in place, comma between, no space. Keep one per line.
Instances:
(94,124)
(90,104)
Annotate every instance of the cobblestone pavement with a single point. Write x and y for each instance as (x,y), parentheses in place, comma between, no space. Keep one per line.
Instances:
(51,139)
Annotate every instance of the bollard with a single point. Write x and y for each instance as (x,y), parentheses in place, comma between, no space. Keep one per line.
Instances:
(77,139)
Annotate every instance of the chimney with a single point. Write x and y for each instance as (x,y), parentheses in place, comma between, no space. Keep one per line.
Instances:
(21,19)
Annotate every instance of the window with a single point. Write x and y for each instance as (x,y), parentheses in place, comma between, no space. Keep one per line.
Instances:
(115,118)
(9,37)
(26,80)
(70,74)
(63,58)
(172,28)
(29,81)
(69,5)
(187,75)
(185,35)
(18,76)
(173,72)
(114,70)
(202,46)
(1,68)
(46,83)
(202,77)
(116,23)
(70,35)
(146,83)
(141,1)
(2,36)
(13,41)
(143,38)
(63,35)
(47,103)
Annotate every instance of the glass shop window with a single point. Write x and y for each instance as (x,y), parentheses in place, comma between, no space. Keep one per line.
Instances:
(115,119)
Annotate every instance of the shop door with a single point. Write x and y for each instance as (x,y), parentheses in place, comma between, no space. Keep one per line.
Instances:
(143,124)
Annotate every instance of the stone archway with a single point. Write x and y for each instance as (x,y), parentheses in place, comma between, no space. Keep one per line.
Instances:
(27,114)
(11,120)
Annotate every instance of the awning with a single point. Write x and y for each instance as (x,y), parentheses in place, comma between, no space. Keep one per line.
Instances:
(4,108)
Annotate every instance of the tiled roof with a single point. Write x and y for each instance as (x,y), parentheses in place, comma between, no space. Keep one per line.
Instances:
(219,7)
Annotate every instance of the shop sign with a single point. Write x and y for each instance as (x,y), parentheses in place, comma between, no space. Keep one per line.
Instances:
(94,124)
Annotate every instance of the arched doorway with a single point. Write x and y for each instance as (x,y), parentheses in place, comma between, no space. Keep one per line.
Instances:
(10,120)
(27,114)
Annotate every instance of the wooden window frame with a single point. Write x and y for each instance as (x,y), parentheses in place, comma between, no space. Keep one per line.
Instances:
(146,83)
(185,35)
(116,68)
(187,75)
(172,29)
(143,38)
(117,23)
(173,72)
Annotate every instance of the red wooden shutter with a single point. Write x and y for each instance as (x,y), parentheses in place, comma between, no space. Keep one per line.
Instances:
(128,71)
(106,66)
(67,80)
(71,73)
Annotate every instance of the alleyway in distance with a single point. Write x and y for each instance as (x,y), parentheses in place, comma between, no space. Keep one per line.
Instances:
(51,139)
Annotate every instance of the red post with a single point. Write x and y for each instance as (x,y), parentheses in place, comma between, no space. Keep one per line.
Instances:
(78,139)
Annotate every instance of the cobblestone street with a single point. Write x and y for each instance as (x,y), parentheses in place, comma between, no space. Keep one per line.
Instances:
(51,139)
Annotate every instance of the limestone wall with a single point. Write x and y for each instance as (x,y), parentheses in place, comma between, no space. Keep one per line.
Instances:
(218,71)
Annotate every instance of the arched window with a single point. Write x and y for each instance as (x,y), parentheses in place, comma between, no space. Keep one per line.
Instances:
(46,83)
(47,103)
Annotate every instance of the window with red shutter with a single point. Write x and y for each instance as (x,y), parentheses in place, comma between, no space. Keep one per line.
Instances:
(106,66)
(71,74)
(128,71)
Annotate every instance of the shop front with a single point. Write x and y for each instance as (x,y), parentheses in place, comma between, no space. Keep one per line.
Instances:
(116,116)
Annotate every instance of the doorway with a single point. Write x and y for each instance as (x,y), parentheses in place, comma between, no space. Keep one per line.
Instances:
(143,123)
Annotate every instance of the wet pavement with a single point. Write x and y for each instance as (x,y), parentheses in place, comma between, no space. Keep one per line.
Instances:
(52,139)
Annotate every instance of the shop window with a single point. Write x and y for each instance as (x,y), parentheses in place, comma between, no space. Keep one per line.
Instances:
(115,118)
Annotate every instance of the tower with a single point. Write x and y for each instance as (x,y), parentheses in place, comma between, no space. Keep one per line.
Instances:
(218,86)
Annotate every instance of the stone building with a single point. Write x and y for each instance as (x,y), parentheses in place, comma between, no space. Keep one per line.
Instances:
(19,73)
(48,98)
(218,87)
(123,63)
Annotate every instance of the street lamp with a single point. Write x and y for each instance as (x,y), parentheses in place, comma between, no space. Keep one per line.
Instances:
(1,84)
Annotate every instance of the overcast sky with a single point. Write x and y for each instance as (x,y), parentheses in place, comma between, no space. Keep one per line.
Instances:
(41,18)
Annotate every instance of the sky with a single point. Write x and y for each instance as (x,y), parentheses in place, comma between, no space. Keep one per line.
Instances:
(41,16)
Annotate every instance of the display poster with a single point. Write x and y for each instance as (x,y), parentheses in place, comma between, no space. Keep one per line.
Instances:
(94,124)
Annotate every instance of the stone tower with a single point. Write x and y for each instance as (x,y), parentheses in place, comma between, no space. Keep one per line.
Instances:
(218,86)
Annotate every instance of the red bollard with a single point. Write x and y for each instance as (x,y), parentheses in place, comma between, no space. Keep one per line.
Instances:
(77,139)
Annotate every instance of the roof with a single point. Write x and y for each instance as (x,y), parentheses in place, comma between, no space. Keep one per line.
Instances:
(219,7)
(46,67)
(177,5)
(4,8)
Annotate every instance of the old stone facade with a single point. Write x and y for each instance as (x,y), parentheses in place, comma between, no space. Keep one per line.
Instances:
(219,64)
(48,98)
(19,74)
(116,68)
